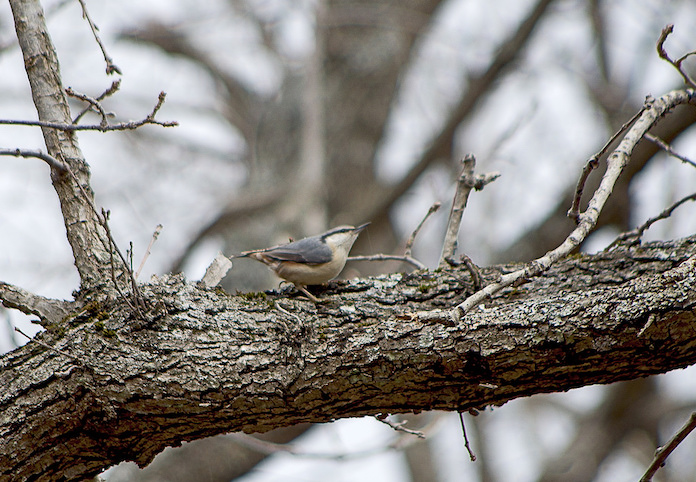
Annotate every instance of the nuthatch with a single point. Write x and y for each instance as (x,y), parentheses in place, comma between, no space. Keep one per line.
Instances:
(309,261)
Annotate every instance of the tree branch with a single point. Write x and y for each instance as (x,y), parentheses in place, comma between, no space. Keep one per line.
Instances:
(650,115)
(211,363)
(41,64)
(47,309)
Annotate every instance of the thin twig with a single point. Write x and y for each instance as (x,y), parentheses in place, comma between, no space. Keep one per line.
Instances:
(591,165)
(50,160)
(92,102)
(399,426)
(652,112)
(122,126)
(110,66)
(60,352)
(663,452)
(666,147)
(111,248)
(466,439)
(676,63)
(640,230)
(115,85)
(155,235)
(390,257)
(412,238)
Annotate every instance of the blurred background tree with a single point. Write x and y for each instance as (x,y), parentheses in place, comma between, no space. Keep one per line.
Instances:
(298,116)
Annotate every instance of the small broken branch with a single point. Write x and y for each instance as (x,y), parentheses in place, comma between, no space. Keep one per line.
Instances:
(47,309)
(467,182)
(155,235)
(216,271)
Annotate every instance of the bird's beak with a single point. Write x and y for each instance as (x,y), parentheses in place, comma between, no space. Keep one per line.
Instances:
(361,227)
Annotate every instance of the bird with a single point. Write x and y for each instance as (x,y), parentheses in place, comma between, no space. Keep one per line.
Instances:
(309,261)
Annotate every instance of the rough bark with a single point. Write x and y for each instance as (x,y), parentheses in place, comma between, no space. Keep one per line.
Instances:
(116,388)
(83,230)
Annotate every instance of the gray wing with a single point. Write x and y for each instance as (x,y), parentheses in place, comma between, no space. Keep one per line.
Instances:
(309,250)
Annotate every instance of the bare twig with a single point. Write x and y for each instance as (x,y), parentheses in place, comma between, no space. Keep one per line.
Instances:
(115,85)
(412,238)
(663,452)
(399,426)
(466,439)
(676,63)
(265,447)
(467,181)
(666,147)
(652,112)
(390,257)
(640,230)
(103,220)
(49,347)
(121,126)
(592,163)
(50,160)
(155,235)
(111,68)
(94,103)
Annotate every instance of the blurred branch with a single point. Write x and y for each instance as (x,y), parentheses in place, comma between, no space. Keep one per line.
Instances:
(479,88)
(240,103)
(663,452)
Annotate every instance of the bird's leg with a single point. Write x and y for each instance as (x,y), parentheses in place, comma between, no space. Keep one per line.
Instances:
(309,295)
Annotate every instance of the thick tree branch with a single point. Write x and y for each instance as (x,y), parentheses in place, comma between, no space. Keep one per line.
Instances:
(210,363)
